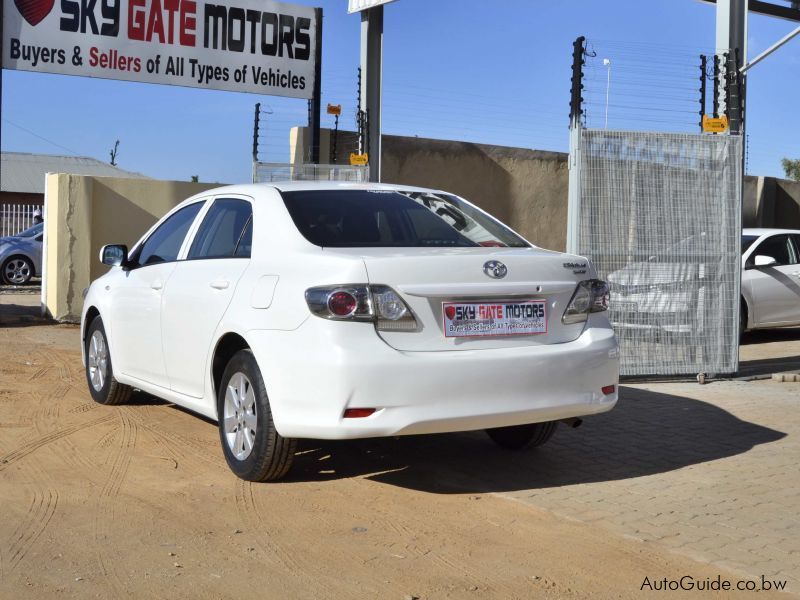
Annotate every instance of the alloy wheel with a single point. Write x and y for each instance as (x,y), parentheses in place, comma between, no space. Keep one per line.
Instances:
(240,417)
(17,271)
(98,361)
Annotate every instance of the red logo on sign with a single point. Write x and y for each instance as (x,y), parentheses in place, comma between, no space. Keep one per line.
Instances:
(33,11)
(450,311)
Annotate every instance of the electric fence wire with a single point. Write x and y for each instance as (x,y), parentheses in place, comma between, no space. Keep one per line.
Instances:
(651,87)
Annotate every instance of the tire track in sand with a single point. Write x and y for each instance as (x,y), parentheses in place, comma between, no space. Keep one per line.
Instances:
(32,446)
(107,557)
(40,512)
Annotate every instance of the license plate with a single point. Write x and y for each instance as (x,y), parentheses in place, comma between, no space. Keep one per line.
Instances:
(474,319)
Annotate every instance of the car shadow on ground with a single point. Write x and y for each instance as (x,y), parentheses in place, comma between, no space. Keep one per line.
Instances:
(768,366)
(765,336)
(646,434)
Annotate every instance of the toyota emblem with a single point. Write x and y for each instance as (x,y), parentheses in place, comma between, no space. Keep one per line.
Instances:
(495,269)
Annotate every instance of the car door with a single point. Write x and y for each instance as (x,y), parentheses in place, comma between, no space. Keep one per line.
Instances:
(200,290)
(775,289)
(135,322)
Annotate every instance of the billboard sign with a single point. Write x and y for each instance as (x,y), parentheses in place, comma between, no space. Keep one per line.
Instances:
(257,46)
(359,5)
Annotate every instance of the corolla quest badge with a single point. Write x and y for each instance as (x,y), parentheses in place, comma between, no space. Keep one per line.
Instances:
(578,268)
(495,269)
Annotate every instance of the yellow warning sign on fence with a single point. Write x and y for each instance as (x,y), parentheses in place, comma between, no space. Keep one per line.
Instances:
(358,160)
(335,109)
(715,125)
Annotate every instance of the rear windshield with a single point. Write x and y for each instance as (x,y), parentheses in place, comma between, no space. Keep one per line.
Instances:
(386,218)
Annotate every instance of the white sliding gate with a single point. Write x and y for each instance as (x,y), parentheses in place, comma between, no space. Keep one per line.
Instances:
(659,215)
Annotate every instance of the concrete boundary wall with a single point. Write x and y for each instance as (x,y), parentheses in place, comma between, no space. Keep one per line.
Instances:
(84,213)
(525,188)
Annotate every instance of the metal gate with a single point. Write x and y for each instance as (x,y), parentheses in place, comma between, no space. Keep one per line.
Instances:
(659,215)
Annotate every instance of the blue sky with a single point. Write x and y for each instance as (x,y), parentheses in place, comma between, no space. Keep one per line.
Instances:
(493,72)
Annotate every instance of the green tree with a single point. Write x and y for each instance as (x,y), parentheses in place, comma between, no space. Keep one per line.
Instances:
(791,168)
(195,178)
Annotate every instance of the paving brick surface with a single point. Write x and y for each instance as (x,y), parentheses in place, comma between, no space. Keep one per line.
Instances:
(711,472)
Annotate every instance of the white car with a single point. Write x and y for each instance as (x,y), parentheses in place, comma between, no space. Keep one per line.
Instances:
(770,278)
(665,294)
(332,311)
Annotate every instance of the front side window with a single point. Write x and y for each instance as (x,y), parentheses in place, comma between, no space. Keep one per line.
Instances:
(778,247)
(165,242)
(222,229)
(387,218)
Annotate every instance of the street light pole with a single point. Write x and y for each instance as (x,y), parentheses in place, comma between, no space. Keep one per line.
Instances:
(607,64)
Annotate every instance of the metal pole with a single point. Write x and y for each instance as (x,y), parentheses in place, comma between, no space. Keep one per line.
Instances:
(731,34)
(371,63)
(576,100)
(716,86)
(256,120)
(316,100)
(575,112)
(703,66)
(607,63)
(2,22)
(335,138)
(770,50)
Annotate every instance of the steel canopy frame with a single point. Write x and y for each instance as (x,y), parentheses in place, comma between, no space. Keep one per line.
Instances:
(769,9)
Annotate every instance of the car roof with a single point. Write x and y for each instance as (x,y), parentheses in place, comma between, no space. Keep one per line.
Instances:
(759,231)
(255,189)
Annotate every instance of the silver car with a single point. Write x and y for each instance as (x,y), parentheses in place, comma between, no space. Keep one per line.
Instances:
(21,255)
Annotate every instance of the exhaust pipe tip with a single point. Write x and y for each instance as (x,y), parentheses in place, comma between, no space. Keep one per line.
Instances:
(573,422)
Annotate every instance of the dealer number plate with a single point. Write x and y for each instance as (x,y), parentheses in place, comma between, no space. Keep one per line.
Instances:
(473,319)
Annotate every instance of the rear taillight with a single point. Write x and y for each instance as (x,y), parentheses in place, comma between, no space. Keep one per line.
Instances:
(391,311)
(590,296)
(361,302)
(342,303)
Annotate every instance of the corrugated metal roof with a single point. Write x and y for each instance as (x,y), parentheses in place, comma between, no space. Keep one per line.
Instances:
(22,172)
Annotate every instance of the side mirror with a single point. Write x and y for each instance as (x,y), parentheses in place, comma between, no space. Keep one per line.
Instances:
(765,261)
(114,255)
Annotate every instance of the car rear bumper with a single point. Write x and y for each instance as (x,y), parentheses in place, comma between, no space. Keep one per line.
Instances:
(325,367)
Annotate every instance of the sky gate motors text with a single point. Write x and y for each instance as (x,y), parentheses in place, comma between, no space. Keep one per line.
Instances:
(226,28)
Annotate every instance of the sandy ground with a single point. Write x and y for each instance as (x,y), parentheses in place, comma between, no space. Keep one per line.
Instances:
(136,501)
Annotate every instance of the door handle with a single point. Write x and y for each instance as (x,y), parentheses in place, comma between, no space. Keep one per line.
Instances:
(156,285)
(219,284)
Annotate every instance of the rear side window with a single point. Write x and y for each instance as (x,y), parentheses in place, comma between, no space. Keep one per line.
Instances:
(165,242)
(387,218)
(747,241)
(221,231)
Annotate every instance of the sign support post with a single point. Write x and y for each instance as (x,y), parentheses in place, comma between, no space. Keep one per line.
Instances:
(316,100)
(371,61)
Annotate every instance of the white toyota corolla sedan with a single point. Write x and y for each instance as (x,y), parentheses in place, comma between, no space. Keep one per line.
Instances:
(333,311)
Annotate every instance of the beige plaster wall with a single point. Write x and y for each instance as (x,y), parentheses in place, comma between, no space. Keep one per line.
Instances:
(525,188)
(83,214)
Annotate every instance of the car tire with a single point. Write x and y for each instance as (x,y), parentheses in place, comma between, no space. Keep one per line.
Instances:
(17,270)
(103,386)
(742,320)
(253,448)
(518,437)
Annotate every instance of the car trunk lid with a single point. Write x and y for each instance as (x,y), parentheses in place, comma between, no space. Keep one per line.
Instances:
(432,279)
